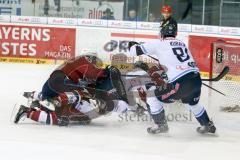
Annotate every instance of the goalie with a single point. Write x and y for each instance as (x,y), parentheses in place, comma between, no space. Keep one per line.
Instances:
(181,80)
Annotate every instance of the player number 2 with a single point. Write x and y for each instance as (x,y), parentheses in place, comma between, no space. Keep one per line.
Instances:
(182,55)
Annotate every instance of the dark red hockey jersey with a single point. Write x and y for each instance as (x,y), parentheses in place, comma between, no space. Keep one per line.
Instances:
(81,68)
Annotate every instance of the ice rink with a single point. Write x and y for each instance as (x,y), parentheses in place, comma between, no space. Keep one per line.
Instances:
(108,137)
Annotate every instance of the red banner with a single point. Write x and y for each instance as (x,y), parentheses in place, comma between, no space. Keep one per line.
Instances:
(37,42)
(226,54)
(200,47)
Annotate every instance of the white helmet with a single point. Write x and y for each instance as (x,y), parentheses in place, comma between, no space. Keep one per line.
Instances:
(89,52)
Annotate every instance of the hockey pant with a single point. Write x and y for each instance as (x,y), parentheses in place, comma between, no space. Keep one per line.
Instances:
(188,90)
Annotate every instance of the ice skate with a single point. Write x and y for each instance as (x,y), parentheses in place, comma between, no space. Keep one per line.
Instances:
(209,128)
(160,128)
(22,112)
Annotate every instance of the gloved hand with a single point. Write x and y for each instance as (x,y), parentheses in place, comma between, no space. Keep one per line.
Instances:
(156,73)
(141,65)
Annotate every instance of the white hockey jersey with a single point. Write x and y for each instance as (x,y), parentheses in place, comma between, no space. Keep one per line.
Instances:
(171,53)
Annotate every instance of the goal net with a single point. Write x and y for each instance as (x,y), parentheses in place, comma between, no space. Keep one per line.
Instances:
(226,53)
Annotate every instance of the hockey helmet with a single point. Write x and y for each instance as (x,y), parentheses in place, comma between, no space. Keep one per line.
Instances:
(166,9)
(92,57)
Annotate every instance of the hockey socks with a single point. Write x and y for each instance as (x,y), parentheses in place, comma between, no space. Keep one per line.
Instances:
(161,123)
(159,118)
(200,113)
(42,116)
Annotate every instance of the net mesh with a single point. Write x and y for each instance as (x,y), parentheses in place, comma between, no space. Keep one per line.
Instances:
(226,54)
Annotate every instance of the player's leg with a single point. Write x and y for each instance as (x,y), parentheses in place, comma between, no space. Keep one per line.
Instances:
(57,83)
(200,113)
(57,87)
(158,115)
(60,91)
(62,116)
(193,88)
(40,115)
(51,87)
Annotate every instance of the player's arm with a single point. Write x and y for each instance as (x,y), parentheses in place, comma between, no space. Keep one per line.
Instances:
(155,71)
(137,49)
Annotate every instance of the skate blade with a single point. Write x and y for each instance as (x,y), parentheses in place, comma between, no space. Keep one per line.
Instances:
(208,134)
(162,134)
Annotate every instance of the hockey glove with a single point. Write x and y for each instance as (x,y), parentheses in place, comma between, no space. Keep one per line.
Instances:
(158,75)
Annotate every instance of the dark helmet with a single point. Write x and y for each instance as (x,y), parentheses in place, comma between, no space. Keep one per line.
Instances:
(168,30)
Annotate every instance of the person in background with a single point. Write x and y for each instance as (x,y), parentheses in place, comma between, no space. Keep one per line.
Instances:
(166,12)
(108,15)
(132,15)
(152,18)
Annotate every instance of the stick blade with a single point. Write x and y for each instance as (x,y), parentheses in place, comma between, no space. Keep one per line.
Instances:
(220,76)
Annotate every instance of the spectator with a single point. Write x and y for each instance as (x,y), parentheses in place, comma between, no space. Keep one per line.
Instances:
(167,17)
(152,18)
(108,15)
(132,15)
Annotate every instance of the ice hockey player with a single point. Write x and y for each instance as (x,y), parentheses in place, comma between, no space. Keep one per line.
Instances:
(183,81)
(73,84)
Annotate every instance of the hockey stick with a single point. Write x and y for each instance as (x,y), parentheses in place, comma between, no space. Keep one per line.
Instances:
(220,76)
(214,89)
(145,76)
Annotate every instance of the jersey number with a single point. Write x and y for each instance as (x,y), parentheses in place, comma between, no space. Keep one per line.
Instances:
(181,55)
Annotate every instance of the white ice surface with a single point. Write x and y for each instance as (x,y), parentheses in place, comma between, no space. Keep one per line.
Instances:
(107,137)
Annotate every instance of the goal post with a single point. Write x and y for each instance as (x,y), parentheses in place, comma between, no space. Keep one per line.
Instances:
(226,53)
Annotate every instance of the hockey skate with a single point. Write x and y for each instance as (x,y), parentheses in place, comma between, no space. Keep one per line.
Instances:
(33,103)
(160,128)
(209,128)
(28,94)
(37,102)
(22,112)
(33,95)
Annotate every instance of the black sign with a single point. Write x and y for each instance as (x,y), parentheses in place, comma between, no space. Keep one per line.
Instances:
(219,55)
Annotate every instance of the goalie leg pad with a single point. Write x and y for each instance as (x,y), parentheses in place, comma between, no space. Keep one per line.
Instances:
(111,87)
(117,83)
